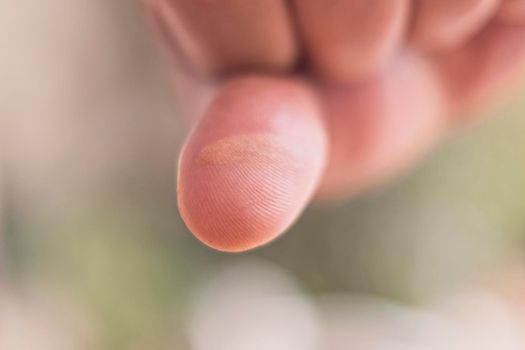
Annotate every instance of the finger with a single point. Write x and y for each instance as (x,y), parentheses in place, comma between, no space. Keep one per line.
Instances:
(448,24)
(192,92)
(486,68)
(252,163)
(377,129)
(220,36)
(351,39)
(512,12)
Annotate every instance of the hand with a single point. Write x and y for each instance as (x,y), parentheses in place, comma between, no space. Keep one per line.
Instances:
(321,98)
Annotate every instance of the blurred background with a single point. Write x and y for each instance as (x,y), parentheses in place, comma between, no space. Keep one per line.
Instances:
(93,254)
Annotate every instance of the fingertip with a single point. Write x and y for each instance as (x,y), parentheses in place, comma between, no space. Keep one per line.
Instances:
(252,163)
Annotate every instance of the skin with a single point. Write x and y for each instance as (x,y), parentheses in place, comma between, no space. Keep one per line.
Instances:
(512,12)
(441,25)
(254,160)
(329,98)
(224,36)
(342,52)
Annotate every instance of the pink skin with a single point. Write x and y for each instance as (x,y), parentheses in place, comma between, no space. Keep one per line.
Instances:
(265,145)
(351,40)
(448,24)
(227,35)
(512,12)
(252,163)
(485,68)
(374,133)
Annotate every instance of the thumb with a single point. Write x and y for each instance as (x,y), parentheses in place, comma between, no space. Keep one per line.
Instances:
(252,162)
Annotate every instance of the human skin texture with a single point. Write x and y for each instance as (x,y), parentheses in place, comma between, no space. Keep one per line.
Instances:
(263,144)
(321,98)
